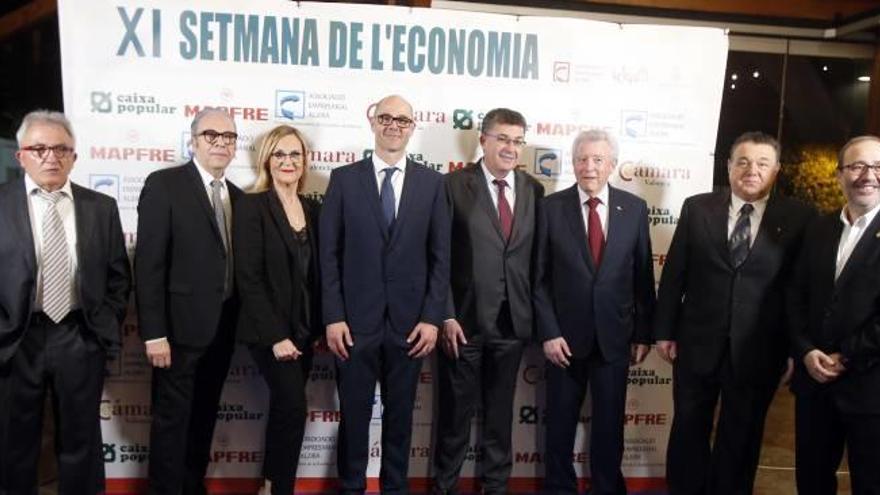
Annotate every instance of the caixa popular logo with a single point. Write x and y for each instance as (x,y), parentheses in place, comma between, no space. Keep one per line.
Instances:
(289,104)
(547,161)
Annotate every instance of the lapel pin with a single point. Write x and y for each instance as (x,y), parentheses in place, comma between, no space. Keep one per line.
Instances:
(877,235)
(620,208)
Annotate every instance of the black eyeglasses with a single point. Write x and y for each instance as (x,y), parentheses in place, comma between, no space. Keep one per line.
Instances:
(402,121)
(295,156)
(42,151)
(211,136)
(857,168)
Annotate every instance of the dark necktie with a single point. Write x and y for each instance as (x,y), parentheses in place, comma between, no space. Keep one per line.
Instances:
(220,217)
(56,260)
(741,237)
(595,236)
(386,197)
(505,216)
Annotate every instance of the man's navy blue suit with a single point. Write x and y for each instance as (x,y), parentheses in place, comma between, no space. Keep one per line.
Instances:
(381,281)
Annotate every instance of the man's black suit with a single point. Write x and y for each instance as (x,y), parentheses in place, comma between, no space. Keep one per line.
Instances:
(600,311)
(381,283)
(180,268)
(67,357)
(837,316)
(730,333)
(490,297)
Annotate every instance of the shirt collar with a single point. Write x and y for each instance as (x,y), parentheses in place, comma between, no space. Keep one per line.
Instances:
(510,178)
(30,186)
(736,203)
(603,195)
(208,178)
(379,164)
(863,220)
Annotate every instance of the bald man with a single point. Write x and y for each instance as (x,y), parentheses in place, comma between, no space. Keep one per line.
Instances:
(384,241)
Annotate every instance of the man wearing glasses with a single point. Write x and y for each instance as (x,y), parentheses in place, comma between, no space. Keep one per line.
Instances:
(384,242)
(66,280)
(721,322)
(834,309)
(489,313)
(187,308)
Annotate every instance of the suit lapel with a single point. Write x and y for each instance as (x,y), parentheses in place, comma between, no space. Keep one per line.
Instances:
(716,224)
(83,208)
(617,214)
(276,210)
(480,190)
(407,195)
(521,207)
(770,230)
(20,220)
(866,245)
(202,197)
(371,190)
(573,211)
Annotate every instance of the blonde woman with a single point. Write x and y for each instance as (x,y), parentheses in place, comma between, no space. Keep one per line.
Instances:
(276,269)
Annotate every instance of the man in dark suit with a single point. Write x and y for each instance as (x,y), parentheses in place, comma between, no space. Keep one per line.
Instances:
(384,241)
(594,300)
(489,311)
(835,331)
(720,319)
(65,283)
(186,305)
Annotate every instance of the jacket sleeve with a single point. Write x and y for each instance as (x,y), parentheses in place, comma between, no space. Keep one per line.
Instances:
(542,298)
(152,257)
(672,280)
(643,274)
(262,322)
(331,241)
(434,309)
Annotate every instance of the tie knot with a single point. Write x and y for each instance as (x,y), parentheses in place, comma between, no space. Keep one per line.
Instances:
(501,183)
(593,202)
(51,197)
(746,209)
(216,183)
(389,172)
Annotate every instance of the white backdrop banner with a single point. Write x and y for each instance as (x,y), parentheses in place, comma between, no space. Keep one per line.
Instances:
(135,73)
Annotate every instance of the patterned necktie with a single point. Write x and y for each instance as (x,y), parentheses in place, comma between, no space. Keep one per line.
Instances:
(741,237)
(505,216)
(386,197)
(220,217)
(56,260)
(595,236)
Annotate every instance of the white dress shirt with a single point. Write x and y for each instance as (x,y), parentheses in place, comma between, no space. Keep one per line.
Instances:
(379,167)
(736,203)
(37,208)
(601,209)
(509,191)
(852,232)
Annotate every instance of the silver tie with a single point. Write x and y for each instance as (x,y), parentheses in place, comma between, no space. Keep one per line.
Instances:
(220,216)
(56,260)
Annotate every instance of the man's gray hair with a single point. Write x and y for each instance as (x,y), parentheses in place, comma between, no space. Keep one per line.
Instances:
(43,117)
(204,113)
(592,136)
